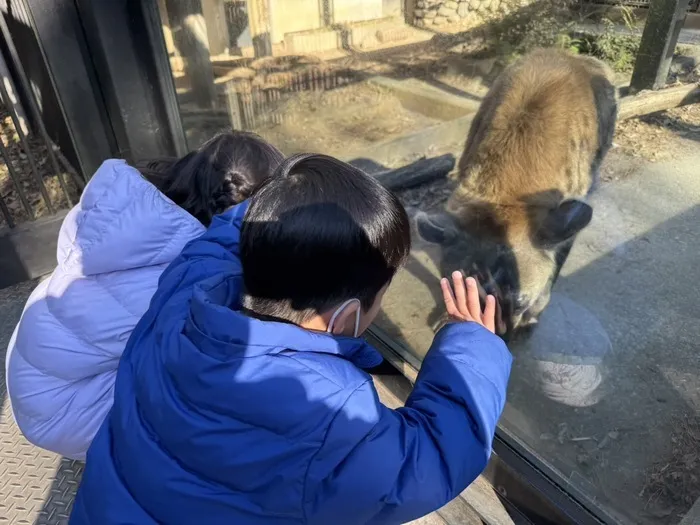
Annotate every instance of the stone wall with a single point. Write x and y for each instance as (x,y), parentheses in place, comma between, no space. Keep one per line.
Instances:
(441,12)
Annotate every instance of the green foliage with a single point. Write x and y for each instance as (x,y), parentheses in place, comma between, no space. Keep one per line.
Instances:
(551,23)
(546,23)
(619,51)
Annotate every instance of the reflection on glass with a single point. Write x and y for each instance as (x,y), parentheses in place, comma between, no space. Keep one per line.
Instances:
(605,390)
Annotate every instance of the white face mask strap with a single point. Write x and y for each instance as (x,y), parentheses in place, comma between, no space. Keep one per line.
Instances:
(340,309)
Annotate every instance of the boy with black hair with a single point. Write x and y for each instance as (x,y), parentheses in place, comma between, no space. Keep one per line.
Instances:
(241,396)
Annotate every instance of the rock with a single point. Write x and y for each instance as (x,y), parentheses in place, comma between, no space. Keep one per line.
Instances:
(495,4)
(459,49)
(456,19)
(463,10)
(419,23)
(451,4)
(446,11)
(565,354)
(474,5)
(439,20)
(420,4)
(681,64)
(430,14)
(419,13)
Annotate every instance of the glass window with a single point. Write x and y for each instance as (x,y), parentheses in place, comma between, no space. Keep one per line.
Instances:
(605,390)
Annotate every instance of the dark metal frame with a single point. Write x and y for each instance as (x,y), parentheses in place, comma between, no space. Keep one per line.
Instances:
(129,68)
(103,79)
(164,74)
(34,117)
(110,71)
(28,245)
(58,30)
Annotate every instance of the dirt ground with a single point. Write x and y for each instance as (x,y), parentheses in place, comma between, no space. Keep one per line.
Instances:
(656,137)
(635,451)
(346,119)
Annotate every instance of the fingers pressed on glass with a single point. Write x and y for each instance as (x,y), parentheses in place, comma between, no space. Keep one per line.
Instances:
(473,302)
(489,315)
(460,292)
(448,297)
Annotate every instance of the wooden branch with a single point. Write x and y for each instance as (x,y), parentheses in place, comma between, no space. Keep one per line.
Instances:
(420,172)
(646,102)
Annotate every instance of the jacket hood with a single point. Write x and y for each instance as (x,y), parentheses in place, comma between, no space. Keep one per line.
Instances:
(122,222)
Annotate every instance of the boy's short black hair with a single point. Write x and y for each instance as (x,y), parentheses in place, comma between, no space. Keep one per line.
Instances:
(222,172)
(318,233)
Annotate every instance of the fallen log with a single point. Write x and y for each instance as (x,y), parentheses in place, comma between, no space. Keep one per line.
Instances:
(420,172)
(646,102)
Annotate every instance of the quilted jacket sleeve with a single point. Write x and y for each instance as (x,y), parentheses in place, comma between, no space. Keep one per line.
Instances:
(393,466)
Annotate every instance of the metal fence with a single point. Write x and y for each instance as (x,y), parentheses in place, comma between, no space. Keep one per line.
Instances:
(35,179)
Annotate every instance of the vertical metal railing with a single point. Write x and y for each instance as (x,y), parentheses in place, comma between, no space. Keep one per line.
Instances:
(251,106)
(26,148)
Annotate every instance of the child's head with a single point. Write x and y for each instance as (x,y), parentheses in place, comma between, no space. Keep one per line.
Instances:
(322,238)
(224,171)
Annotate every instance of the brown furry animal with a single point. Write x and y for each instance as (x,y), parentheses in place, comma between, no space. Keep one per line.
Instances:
(532,156)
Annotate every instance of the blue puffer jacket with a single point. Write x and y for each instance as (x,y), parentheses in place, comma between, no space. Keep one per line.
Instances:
(223,419)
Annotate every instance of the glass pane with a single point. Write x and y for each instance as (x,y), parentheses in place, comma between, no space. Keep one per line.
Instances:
(605,389)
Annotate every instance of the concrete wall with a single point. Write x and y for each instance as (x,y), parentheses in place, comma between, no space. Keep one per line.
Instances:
(289,16)
(356,10)
(391,8)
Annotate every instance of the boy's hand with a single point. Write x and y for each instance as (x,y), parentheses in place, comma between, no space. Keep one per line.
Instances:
(464,305)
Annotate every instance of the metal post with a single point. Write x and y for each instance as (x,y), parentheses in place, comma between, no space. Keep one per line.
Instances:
(153,17)
(664,24)
(70,73)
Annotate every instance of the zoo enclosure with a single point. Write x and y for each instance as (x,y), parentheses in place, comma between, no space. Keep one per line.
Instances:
(156,77)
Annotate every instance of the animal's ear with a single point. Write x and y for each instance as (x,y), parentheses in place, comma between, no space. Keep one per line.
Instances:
(563,222)
(438,228)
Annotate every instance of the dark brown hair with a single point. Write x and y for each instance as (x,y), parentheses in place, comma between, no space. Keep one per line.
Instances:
(340,233)
(224,171)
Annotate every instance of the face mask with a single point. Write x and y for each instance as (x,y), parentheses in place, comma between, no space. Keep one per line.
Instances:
(340,310)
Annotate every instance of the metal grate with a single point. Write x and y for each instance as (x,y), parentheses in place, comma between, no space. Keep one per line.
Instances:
(35,179)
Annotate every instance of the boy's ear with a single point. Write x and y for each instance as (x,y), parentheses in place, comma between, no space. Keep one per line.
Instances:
(345,322)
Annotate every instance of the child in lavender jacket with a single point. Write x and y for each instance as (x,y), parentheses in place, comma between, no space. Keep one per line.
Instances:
(112,248)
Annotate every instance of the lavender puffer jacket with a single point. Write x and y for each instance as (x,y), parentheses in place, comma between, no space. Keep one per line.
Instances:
(63,355)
